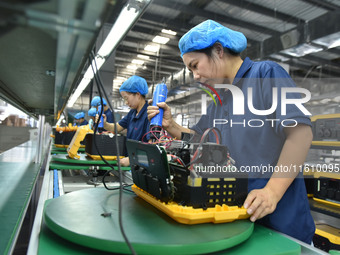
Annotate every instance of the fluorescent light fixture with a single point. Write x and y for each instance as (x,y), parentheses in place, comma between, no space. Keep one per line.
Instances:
(143,56)
(152,48)
(329,41)
(160,39)
(132,67)
(302,50)
(169,32)
(127,17)
(120,78)
(279,57)
(137,61)
(81,87)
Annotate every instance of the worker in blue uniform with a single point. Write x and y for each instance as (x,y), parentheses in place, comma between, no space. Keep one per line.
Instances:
(136,122)
(276,143)
(80,119)
(96,102)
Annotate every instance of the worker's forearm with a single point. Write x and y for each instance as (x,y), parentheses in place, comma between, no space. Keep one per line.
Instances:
(109,126)
(176,130)
(291,160)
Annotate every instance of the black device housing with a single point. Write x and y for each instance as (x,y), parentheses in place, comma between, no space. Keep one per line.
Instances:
(106,145)
(150,169)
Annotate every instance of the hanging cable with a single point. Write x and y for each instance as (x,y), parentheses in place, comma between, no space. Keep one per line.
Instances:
(121,188)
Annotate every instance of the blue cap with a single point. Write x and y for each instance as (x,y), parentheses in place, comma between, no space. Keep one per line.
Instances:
(79,115)
(92,112)
(96,101)
(135,84)
(205,34)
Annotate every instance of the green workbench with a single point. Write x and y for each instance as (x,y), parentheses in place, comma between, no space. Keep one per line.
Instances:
(18,175)
(59,150)
(63,162)
(78,216)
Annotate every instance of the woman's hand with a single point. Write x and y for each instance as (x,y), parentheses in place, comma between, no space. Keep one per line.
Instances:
(154,110)
(125,161)
(97,118)
(260,202)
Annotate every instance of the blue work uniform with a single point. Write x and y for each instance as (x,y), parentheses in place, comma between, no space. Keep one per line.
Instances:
(136,125)
(83,123)
(252,144)
(109,116)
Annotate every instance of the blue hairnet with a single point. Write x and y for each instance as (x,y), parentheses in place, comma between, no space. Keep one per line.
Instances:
(205,34)
(96,101)
(135,84)
(79,115)
(92,112)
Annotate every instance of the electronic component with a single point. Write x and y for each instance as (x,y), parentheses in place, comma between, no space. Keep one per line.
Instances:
(106,146)
(326,130)
(151,172)
(327,188)
(150,169)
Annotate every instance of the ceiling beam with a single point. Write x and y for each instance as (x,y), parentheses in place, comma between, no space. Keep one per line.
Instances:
(323,4)
(192,10)
(321,61)
(273,13)
(304,33)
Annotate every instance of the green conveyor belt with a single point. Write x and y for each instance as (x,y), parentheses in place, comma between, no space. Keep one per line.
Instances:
(60,166)
(84,159)
(78,217)
(18,175)
(145,224)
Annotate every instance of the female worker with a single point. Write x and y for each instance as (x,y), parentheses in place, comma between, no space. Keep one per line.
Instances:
(278,140)
(92,112)
(136,122)
(80,119)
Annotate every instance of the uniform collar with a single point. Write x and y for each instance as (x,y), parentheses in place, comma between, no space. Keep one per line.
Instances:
(141,111)
(246,65)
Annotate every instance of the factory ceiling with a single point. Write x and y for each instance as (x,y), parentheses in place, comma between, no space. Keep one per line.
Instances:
(45,45)
(294,32)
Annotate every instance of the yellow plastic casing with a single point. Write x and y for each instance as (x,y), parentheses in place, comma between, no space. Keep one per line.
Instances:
(189,215)
(79,136)
(329,232)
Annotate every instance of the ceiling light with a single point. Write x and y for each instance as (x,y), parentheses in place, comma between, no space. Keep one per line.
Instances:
(302,50)
(117,81)
(120,78)
(152,48)
(125,20)
(127,17)
(279,57)
(132,67)
(143,56)
(330,41)
(160,39)
(137,61)
(168,31)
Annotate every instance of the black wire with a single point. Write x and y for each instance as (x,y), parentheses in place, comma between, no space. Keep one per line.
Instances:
(203,139)
(121,188)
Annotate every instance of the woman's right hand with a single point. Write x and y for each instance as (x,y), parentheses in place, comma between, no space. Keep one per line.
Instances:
(154,110)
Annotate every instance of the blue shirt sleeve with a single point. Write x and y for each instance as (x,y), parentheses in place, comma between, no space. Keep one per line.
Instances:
(205,121)
(109,116)
(277,77)
(124,122)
